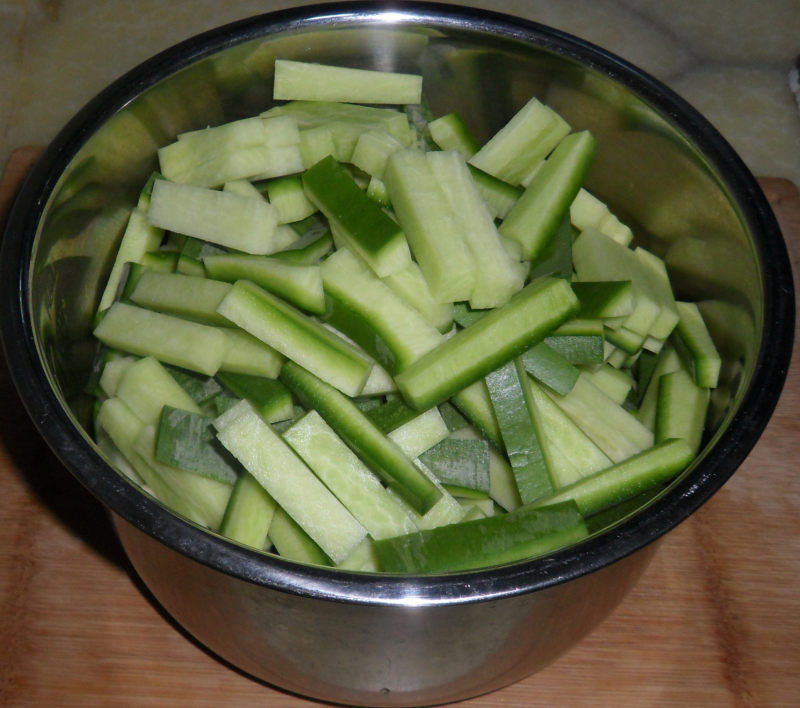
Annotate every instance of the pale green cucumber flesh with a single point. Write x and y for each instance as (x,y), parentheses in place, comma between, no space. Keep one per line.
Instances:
(364,438)
(192,297)
(266,456)
(344,473)
(170,339)
(296,336)
(307,81)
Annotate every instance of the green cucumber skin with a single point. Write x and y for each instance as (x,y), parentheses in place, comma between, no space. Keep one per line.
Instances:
(460,464)
(480,543)
(548,366)
(512,405)
(364,225)
(249,513)
(626,479)
(297,283)
(363,437)
(495,338)
(578,349)
(681,409)
(555,257)
(550,194)
(296,336)
(268,396)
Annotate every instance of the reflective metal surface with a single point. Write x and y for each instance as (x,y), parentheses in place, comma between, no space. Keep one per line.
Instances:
(382,640)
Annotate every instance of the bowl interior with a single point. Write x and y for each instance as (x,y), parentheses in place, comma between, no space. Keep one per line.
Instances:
(660,167)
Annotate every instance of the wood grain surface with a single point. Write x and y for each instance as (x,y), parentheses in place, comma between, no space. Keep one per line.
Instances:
(714,622)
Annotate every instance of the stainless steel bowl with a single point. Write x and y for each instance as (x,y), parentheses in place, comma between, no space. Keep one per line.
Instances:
(372,639)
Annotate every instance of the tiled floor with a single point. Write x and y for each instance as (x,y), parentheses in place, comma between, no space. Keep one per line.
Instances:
(730,58)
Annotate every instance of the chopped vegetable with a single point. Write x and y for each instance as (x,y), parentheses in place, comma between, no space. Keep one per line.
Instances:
(325,338)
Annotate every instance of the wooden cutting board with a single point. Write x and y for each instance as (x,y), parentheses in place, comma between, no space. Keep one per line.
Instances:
(714,622)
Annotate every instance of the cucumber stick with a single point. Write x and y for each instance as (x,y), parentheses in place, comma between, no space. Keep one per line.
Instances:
(410,285)
(598,257)
(502,485)
(364,438)
(545,202)
(139,238)
(297,283)
(372,152)
(293,543)
(509,391)
(497,275)
(247,224)
(450,132)
(501,334)
(201,498)
(568,452)
(521,143)
(237,150)
(170,339)
(265,455)
(344,473)
(193,297)
(682,408)
(483,542)
(297,80)
(197,498)
(694,344)
(271,399)
(359,221)
(432,229)
(626,479)
(287,196)
(246,354)
(551,368)
(296,336)
(249,513)
(336,127)
(366,309)
(613,429)
(419,434)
